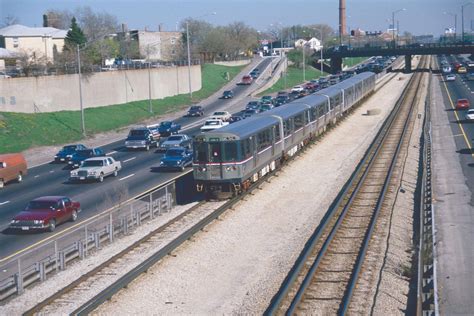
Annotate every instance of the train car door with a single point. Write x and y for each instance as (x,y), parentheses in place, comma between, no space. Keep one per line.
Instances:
(215,153)
(254,150)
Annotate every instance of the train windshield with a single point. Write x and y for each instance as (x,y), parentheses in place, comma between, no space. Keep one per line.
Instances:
(215,152)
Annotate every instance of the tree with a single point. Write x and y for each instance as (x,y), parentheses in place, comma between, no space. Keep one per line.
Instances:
(96,25)
(9,20)
(75,36)
(58,19)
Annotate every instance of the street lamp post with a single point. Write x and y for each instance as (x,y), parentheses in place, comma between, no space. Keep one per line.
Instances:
(83,125)
(304,66)
(455,23)
(393,24)
(462,19)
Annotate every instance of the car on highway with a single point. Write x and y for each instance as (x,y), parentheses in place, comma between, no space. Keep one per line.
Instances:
(297,88)
(462,70)
(462,104)
(265,107)
(250,112)
(228,94)
(266,99)
(45,213)
(167,128)
(282,99)
(252,105)
(67,151)
(446,69)
(176,158)
(246,80)
(236,118)
(179,140)
(195,110)
(13,167)
(323,82)
(450,77)
(79,156)
(96,168)
(470,115)
(221,115)
(254,74)
(212,124)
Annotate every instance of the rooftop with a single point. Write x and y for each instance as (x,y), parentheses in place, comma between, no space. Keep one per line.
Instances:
(22,30)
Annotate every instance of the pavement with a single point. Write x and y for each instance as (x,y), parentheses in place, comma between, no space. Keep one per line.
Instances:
(454,213)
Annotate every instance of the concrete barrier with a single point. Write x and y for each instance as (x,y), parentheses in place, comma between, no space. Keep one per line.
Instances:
(61,93)
(234,62)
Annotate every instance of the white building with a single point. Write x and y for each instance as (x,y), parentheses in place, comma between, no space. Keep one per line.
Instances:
(312,43)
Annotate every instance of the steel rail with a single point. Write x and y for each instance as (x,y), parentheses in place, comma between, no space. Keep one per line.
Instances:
(291,278)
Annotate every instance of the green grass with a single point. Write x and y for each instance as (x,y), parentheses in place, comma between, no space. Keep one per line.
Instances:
(294,77)
(20,131)
(352,61)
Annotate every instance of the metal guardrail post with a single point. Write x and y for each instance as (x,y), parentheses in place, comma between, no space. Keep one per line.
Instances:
(111,228)
(56,255)
(80,249)
(97,240)
(62,260)
(151,206)
(42,271)
(19,279)
(87,241)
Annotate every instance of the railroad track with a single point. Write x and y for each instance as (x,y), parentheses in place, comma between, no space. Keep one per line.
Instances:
(327,271)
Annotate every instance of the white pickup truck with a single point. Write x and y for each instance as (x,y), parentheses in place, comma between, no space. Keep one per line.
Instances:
(213,124)
(221,115)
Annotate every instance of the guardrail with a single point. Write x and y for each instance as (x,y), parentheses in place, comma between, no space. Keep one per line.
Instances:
(35,264)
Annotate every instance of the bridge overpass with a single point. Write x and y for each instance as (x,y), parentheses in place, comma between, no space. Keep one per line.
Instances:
(336,54)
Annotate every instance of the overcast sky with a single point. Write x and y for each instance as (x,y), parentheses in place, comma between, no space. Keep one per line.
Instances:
(420,17)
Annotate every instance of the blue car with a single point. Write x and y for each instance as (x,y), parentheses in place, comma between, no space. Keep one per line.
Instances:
(81,155)
(66,153)
(176,159)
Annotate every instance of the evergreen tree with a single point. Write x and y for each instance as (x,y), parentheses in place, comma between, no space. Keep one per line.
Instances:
(75,35)
(45,20)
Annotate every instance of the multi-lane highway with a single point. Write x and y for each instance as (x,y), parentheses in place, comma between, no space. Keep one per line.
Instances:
(137,175)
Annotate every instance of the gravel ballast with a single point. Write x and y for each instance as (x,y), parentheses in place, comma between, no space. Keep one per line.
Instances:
(238,263)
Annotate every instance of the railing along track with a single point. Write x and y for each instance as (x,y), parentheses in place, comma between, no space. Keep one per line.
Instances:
(324,277)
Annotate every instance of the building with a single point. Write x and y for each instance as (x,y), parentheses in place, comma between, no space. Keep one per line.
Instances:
(38,43)
(313,43)
(155,45)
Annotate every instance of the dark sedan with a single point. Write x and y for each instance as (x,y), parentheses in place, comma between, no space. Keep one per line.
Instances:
(176,159)
(45,213)
(81,155)
(228,94)
(195,110)
(66,153)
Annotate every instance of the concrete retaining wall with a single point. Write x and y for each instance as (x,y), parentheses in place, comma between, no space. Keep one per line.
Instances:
(60,93)
(234,62)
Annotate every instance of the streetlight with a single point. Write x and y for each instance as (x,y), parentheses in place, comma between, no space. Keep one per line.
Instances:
(393,24)
(189,53)
(455,23)
(83,124)
(462,19)
(148,50)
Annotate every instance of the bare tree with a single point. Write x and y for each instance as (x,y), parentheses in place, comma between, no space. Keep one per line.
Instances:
(96,25)
(9,20)
(60,19)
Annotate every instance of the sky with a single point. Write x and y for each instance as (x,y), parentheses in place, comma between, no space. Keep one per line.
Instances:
(420,16)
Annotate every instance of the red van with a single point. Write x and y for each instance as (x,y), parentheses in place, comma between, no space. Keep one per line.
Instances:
(12,167)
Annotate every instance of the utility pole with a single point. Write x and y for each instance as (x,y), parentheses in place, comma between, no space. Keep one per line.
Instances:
(83,124)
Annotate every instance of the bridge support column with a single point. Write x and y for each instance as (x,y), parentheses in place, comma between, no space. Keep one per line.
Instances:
(407,63)
(336,64)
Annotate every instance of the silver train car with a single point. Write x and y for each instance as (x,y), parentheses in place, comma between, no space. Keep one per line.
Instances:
(228,160)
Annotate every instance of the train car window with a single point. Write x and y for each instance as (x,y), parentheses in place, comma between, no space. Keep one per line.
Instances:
(230,151)
(215,152)
(306,116)
(298,121)
(286,128)
(313,113)
(245,148)
(277,132)
(200,152)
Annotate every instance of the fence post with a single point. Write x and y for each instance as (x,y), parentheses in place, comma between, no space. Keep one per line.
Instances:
(111,229)
(56,254)
(19,279)
(97,240)
(151,206)
(80,249)
(87,241)
(62,260)
(42,271)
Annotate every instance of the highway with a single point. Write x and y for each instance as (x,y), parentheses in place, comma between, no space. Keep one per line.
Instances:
(137,175)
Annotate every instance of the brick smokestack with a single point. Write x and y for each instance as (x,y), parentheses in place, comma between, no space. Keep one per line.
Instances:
(342,17)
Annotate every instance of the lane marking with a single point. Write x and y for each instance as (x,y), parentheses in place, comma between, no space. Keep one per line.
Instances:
(3,203)
(129,159)
(130,175)
(111,153)
(37,176)
(466,139)
(51,171)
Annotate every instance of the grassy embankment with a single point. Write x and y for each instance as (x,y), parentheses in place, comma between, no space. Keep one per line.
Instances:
(19,131)
(295,75)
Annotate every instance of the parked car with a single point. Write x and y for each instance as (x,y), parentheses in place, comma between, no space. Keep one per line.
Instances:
(143,137)
(470,115)
(195,110)
(246,80)
(179,140)
(177,158)
(79,156)
(462,104)
(66,153)
(168,128)
(12,168)
(451,77)
(45,213)
(228,94)
(221,115)
(96,168)
(212,124)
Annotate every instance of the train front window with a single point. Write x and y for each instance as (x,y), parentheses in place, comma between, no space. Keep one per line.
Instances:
(215,152)
(230,151)
(200,152)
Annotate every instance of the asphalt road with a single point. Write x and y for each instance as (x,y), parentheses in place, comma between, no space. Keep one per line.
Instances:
(137,175)
(453,196)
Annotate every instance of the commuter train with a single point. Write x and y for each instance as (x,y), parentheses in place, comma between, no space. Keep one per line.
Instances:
(229,159)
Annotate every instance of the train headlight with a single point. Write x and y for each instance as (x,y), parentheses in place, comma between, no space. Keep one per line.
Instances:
(202,169)
(227,168)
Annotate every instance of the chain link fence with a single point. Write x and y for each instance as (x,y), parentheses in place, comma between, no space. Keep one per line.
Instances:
(54,255)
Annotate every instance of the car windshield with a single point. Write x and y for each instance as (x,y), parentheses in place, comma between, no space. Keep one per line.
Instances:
(69,147)
(175,138)
(174,153)
(212,123)
(84,153)
(93,163)
(137,132)
(227,92)
(194,108)
(38,205)
(165,123)
(219,113)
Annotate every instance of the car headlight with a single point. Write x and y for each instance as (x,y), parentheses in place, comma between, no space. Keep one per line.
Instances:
(69,156)
(55,156)
(15,221)
(74,174)
(162,162)
(93,173)
(38,221)
(176,145)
